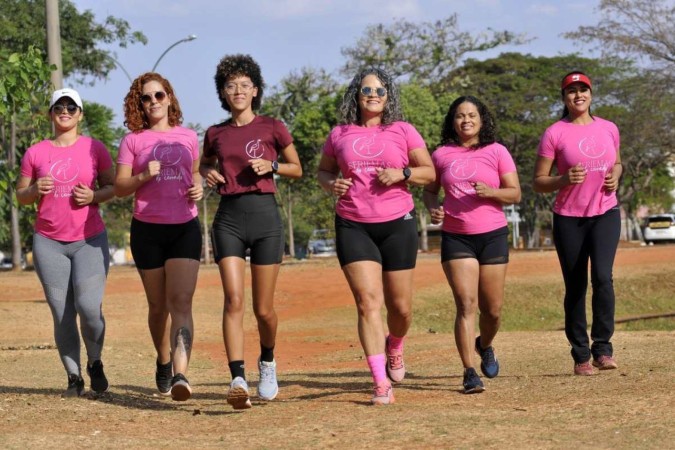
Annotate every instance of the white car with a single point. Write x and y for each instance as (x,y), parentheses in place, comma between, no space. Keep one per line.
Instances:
(659,227)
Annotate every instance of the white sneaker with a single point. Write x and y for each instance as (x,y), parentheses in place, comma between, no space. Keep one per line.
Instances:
(267,386)
(238,395)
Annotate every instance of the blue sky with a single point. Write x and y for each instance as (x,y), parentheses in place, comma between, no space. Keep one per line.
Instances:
(286,35)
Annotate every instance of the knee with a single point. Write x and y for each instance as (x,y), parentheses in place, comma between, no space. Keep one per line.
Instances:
(492,312)
(234,304)
(368,304)
(264,314)
(466,306)
(181,304)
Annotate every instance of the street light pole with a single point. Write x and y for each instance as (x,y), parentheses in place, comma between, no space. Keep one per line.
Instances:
(118,64)
(191,37)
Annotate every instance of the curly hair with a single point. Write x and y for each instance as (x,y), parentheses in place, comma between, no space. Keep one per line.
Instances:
(566,111)
(488,130)
(350,112)
(134,116)
(232,66)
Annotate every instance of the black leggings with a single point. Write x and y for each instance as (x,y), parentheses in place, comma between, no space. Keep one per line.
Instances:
(578,239)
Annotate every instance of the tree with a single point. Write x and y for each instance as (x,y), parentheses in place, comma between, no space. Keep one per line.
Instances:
(423,52)
(23,85)
(636,29)
(22,22)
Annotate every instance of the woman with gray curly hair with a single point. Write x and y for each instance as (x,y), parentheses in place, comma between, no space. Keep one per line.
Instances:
(377,155)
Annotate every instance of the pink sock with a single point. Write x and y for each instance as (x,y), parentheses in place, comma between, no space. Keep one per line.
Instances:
(395,343)
(377,364)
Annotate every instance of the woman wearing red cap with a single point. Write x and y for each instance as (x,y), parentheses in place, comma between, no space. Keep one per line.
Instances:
(586,219)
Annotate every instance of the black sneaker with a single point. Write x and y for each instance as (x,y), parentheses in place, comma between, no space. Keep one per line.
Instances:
(472,383)
(99,383)
(163,376)
(180,388)
(75,386)
(489,364)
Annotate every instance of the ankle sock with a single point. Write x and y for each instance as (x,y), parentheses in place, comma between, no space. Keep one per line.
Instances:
(266,354)
(237,369)
(395,343)
(377,364)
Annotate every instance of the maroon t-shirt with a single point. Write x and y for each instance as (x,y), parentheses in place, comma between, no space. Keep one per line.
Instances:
(234,146)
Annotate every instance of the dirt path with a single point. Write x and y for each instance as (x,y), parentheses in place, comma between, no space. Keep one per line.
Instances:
(535,402)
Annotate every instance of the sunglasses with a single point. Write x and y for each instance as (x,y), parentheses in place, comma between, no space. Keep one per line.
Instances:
(70,108)
(157,95)
(368,91)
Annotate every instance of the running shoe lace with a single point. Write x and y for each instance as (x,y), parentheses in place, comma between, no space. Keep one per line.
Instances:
(266,373)
(382,390)
(395,360)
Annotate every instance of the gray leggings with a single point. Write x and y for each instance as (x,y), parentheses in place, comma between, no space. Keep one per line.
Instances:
(73,276)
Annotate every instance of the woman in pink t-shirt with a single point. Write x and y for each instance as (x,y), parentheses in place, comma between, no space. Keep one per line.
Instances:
(478,177)
(378,155)
(159,163)
(69,176)
(584,149)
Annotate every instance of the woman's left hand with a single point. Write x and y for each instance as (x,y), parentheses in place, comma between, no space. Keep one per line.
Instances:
(195,192)
(260,166)
(483,190)
(82,195)
(388,177)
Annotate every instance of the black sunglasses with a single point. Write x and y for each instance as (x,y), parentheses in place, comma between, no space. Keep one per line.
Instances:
(158,95)
(368,91)
(70,108)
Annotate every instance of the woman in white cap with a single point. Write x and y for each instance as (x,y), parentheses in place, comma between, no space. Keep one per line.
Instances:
(68,176)
(586,218)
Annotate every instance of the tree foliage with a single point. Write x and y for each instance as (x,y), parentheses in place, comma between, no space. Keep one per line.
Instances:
(421,51)
(80,35)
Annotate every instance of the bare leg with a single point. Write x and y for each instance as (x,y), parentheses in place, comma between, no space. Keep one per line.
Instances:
(159,321)
(181,281)
(490,301)
(264,282)
(232,272)
(398,299)
(365,281)
(462,275)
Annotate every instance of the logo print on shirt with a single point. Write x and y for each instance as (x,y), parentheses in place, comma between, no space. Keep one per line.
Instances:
(367,147)
(168,153)
(255,149)
(64,171)
(589,148)
(463,169)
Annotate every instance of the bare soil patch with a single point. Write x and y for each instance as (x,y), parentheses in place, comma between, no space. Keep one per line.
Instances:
(325,385)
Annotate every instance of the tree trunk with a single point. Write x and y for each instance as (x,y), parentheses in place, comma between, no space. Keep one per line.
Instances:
(291,236)
(14,217)
(424,235)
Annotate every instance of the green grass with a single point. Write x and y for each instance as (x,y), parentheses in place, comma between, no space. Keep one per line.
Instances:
(537,303)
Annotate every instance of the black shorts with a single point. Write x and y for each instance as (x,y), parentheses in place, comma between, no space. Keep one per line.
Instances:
(488,248)
(392,244)
(152,244)
(248,222)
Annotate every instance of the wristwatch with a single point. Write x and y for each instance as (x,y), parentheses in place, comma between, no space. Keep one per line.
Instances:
(406,173)
(275,166)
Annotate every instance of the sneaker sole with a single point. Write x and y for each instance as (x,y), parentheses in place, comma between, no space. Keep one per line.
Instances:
(268,397)
(239,398)
(378,401)
(601,367)
(181,391)
(475,390)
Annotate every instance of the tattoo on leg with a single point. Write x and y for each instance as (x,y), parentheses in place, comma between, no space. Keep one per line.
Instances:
(183,339)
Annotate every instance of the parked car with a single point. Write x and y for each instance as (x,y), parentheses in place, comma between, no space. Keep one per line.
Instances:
(659,227)
(321,243)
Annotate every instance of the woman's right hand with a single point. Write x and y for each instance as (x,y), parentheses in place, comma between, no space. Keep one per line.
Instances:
(213,177)
(576,174)
(437,215)
(341,186)
(45,185)
(153,169)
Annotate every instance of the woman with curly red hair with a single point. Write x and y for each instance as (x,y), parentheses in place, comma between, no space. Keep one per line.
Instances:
(159,163)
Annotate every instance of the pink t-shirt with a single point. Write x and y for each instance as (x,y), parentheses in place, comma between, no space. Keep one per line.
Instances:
(457,168)
(164,199)
(234,146)
(595,146)
(58,217)
(358,152)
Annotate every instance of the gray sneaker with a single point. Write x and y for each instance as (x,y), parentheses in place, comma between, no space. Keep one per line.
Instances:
(267,386)
(238,395)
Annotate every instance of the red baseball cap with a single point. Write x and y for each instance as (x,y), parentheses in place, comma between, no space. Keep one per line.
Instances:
(575,78)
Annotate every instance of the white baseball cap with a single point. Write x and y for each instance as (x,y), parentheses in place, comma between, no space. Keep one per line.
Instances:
(66,92)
